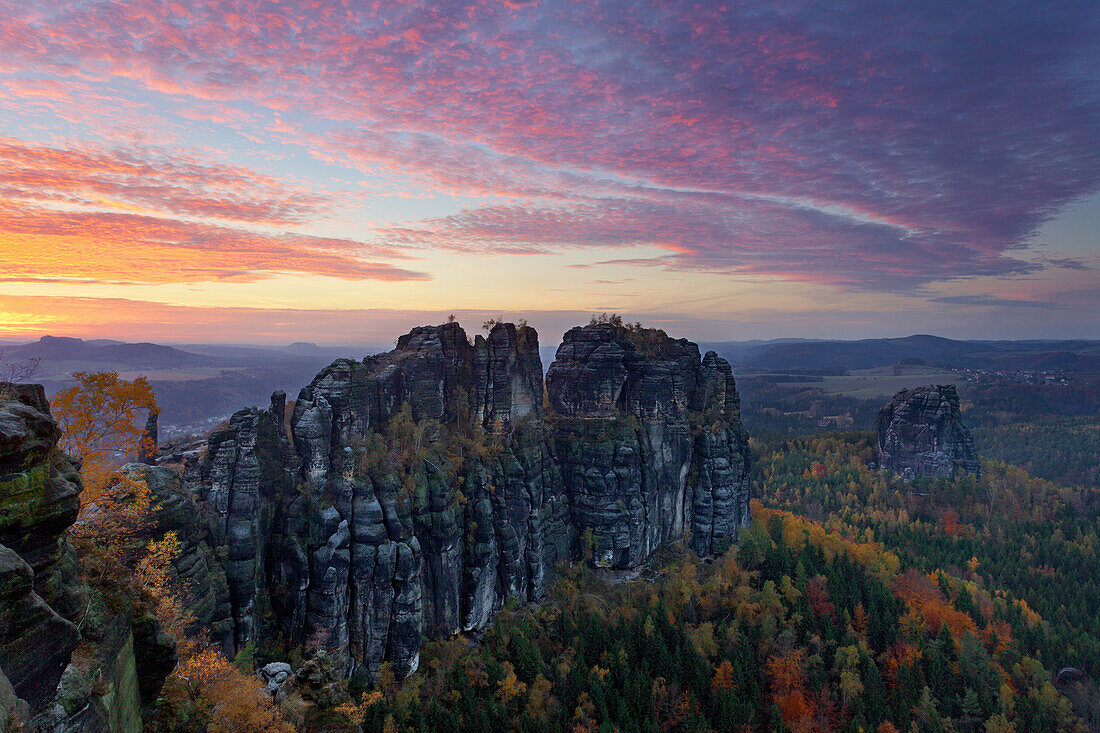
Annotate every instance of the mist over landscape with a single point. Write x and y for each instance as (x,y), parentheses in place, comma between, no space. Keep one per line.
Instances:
(199,385)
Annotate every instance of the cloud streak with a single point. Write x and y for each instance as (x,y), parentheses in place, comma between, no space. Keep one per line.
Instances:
(745,236)
(841,145)
(984,300)
(116,215)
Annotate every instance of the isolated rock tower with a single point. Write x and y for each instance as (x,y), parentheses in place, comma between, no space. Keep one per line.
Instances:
(920,433)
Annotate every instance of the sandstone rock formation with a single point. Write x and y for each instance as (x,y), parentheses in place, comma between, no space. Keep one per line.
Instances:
(416,491)
(626,444)
(39,593)
(920,433)
(45,610)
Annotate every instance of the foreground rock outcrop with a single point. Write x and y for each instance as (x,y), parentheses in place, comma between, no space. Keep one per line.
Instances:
(39,591)
(920,434)
(412,493)
(46,612)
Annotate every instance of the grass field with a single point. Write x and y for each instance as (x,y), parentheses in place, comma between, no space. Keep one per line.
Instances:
(176,375)
(882,381)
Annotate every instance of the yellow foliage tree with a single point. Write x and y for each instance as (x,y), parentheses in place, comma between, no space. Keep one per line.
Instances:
(357,712)
(98,417)
(237,701)
(510,686)
(723,676)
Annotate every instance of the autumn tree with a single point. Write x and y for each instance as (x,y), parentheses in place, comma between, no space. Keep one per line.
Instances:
(788,682)
(510,686)
(116,517)
(356,712)
(723,676)
(99,418)
(234,701)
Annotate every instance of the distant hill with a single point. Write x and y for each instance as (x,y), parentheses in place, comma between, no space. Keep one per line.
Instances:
(194,383)
(304,346)
(741,352)
(933,350)
(115,353)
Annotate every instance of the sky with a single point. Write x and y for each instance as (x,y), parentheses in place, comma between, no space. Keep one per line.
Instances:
(269,171)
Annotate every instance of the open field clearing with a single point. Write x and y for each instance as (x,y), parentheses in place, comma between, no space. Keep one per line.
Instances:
(882,381)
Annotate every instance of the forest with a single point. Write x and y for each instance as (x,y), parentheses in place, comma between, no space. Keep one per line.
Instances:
(1062,449)
(795,628)
(853,601)
(1027,537)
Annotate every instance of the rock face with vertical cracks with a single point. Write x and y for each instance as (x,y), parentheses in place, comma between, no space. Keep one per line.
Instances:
(195,570)
(650,441)
(45,608)
(39,590)
(920,433)
(415,491)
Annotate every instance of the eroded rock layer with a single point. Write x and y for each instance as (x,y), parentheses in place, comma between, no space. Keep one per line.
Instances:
(412,493)
(39,591)
(45,608)
(920,433)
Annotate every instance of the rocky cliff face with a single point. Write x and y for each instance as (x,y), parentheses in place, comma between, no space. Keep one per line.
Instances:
(45,609)
(920,433)
(196,570)
(39,592)
(416,491)
(639,413)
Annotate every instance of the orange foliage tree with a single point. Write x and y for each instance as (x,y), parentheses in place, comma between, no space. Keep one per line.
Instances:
(237,702)
(114,520)
(98,417)
(788,683)
(928,607)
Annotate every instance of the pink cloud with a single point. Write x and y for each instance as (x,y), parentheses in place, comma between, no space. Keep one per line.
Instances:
(716,234)
(37,243)
(173,183)
(922,163)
